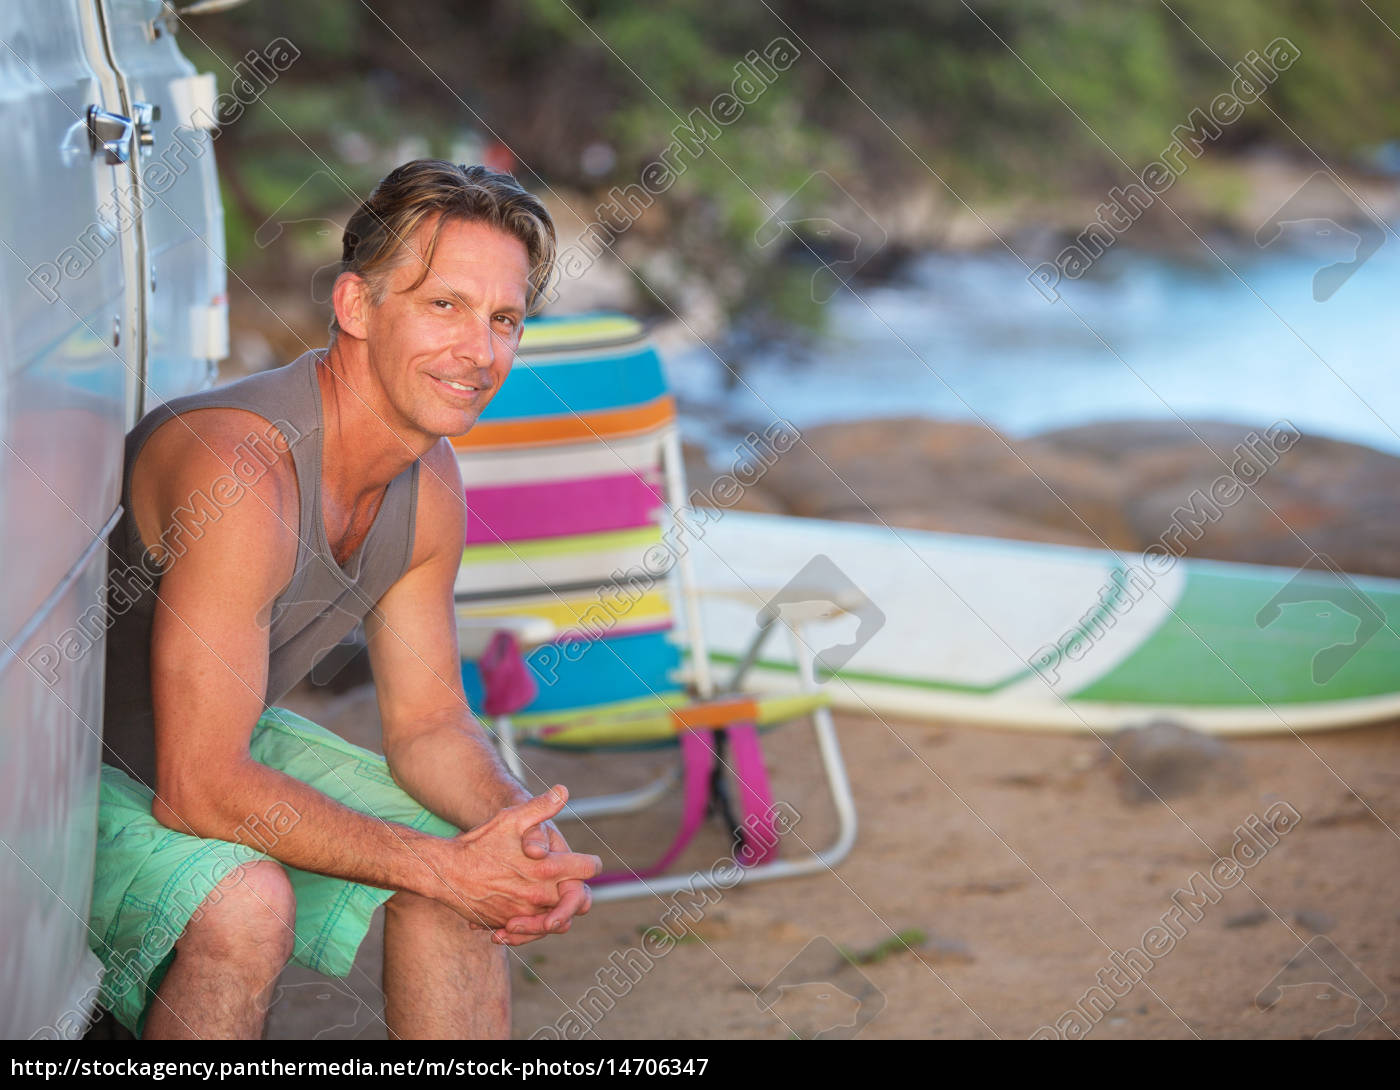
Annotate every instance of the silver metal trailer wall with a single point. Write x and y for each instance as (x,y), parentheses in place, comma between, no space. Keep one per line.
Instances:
(112,273)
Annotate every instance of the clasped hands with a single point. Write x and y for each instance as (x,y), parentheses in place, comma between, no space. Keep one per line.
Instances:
(522,882)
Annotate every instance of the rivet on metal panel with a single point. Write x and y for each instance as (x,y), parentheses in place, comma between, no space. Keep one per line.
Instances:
(145,115)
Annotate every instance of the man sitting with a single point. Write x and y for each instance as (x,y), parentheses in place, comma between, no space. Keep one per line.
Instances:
(263,521)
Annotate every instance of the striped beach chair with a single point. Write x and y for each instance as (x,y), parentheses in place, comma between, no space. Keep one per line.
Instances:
(576,574)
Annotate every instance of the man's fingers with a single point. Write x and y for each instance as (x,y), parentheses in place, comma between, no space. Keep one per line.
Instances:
(504,938)
(566,866)
(535,842)
(526,925)
(578,865)
(541,808)
(576,901)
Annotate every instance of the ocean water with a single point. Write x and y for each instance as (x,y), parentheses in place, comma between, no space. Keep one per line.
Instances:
(964,336)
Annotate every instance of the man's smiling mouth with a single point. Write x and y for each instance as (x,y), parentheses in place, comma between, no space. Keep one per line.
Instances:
(460,387)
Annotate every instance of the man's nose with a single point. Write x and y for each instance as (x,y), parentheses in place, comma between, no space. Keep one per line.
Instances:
(475,341)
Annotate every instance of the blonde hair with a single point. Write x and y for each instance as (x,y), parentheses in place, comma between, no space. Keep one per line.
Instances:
(374,242)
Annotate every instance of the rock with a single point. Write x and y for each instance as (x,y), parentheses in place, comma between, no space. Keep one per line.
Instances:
(1311,494)
(972,519)
(1124,485)
(1253,918)
(1082,762)
(944,950)
(1354,810)
(847,470)
(784,931)
(1319,923)
(1111,439)
(700,477)
(1023,779)
(992,887)
(949,475)
(1165,760)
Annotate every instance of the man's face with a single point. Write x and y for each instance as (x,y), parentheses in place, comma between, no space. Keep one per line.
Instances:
(442,350)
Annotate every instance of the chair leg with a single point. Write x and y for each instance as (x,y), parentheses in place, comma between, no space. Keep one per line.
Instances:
(841,797)
(505,737)
(623,802)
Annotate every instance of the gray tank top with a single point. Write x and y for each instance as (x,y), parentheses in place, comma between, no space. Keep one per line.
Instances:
(321,605)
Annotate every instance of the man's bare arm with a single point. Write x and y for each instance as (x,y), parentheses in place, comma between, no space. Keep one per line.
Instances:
(437,750)
(209,674)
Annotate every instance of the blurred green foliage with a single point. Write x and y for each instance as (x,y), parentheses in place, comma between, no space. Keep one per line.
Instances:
(995,99)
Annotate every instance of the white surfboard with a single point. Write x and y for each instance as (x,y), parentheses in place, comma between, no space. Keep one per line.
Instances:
(953,626)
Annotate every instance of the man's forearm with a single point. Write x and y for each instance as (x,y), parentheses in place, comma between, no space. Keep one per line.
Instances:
(452,769)
(317,834)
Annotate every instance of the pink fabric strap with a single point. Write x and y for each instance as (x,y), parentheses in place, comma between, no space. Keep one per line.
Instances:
(698,753)
(758,834)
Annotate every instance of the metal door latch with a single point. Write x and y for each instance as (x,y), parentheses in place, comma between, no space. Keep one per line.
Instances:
(110,133)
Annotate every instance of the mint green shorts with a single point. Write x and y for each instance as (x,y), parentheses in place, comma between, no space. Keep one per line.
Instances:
(150,880)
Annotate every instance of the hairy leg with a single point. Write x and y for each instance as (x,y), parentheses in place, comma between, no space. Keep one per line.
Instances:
(228,959)
(442,980)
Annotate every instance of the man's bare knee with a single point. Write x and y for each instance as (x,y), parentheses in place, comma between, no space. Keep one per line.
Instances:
(248,918)
(414,911)
(404,903)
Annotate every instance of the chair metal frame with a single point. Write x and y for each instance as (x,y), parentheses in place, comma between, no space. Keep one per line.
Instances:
(532,632)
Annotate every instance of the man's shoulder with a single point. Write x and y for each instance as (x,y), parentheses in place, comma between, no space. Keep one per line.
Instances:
(258,407)
(214,442)
(216,465)
(440,520)
(245,428)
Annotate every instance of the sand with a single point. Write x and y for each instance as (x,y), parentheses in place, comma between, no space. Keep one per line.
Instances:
(1013,868)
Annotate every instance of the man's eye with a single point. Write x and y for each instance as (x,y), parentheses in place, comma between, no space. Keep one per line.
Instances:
(506,320)
(441,303)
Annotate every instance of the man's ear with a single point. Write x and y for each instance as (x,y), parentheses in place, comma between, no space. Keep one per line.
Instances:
(351,299)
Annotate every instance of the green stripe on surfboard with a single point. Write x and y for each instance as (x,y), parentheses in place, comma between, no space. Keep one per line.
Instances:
(1210,651)
(846,674)
(1091,622)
